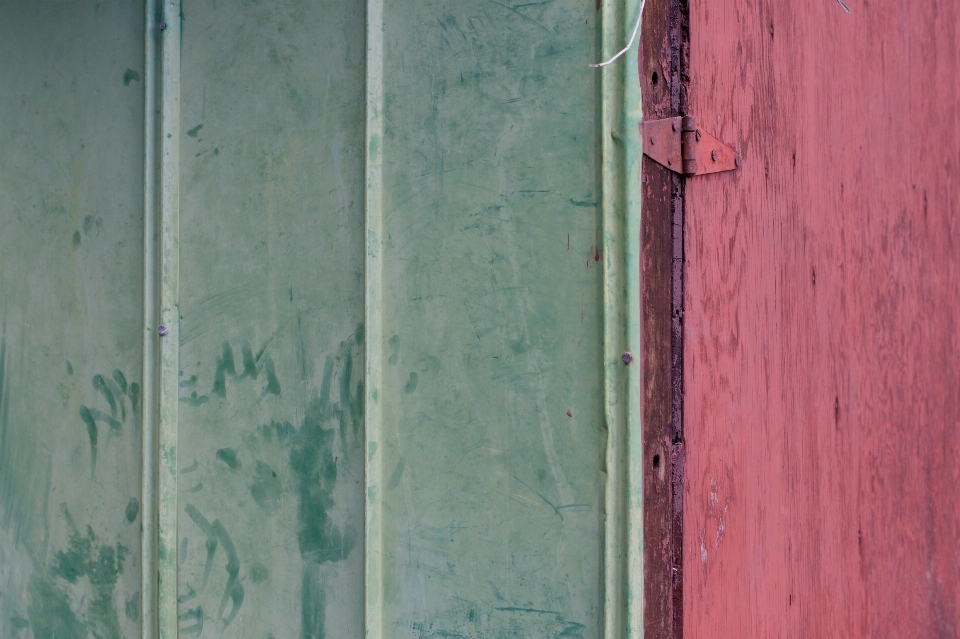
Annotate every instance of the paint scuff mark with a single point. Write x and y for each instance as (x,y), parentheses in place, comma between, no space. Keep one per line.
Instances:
(133,509)
(91,569)
(412,381)
(226,368)
(314,463)
(116,392)
(217,537)
(397,474)
(229,457)
(503,621)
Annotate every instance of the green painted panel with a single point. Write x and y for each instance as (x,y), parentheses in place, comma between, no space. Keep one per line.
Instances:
(467,137)
(270,511)
(71,241)
(493,434)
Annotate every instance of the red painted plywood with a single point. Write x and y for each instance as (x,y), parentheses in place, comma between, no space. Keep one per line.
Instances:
(822,298)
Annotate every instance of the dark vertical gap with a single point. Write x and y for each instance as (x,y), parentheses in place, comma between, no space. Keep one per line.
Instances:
(664,78)
(680,58)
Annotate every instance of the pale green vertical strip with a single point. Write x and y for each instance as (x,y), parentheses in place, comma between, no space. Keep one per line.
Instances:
(622,545)
(634,462)
(373,311)
(151,296)
(169,315)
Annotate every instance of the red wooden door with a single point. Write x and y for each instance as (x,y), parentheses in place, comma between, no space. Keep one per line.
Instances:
(802,357)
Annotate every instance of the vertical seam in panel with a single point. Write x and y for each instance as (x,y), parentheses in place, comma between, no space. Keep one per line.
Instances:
(373,309)
(632,153)
(622,551)
(169,315)
(150,459)
(662,78)
(680,49)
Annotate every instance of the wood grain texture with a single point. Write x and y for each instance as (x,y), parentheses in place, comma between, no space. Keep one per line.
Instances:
(663,78)
(821,308)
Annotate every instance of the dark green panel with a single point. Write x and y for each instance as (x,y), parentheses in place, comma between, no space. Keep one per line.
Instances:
(271,299)
(71,242)
(493,396)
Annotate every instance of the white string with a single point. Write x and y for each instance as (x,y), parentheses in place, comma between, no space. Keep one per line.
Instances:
(636,28)
(629,44)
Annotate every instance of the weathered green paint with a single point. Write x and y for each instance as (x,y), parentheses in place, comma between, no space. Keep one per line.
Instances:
(373,315)
(389,246)
(168,323)
(150,339)
(619,104)
(631,554)
(272,337)
(71,131)
(491,265)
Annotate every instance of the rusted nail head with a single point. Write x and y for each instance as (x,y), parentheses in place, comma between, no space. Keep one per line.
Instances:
(162,329)
(627,357)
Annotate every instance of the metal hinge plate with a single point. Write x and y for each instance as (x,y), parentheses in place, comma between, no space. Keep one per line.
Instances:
(678,144)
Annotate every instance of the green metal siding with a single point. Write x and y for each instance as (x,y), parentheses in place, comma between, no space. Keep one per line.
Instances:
(71,170)
(491,385)
(271,337)
(378,271)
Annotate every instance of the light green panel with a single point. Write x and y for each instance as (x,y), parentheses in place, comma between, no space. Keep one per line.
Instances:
(71,264)
(270,435)
(493,438)
(405,191)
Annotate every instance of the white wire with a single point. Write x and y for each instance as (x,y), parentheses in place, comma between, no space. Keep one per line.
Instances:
(636,28)
(629,44)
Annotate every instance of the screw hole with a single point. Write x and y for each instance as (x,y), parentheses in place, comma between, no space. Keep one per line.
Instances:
(656,462)
(655,78)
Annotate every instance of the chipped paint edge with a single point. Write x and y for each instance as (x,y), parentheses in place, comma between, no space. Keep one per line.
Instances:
(167,385)
(373,294)
(623,551)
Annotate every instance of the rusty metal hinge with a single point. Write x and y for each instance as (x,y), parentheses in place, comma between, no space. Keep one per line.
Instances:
(678,144)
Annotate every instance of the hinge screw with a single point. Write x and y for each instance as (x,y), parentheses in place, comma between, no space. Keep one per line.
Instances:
(714,154)
(698,135)
(674,125)
(737,160)
(162,329)
(652,141)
